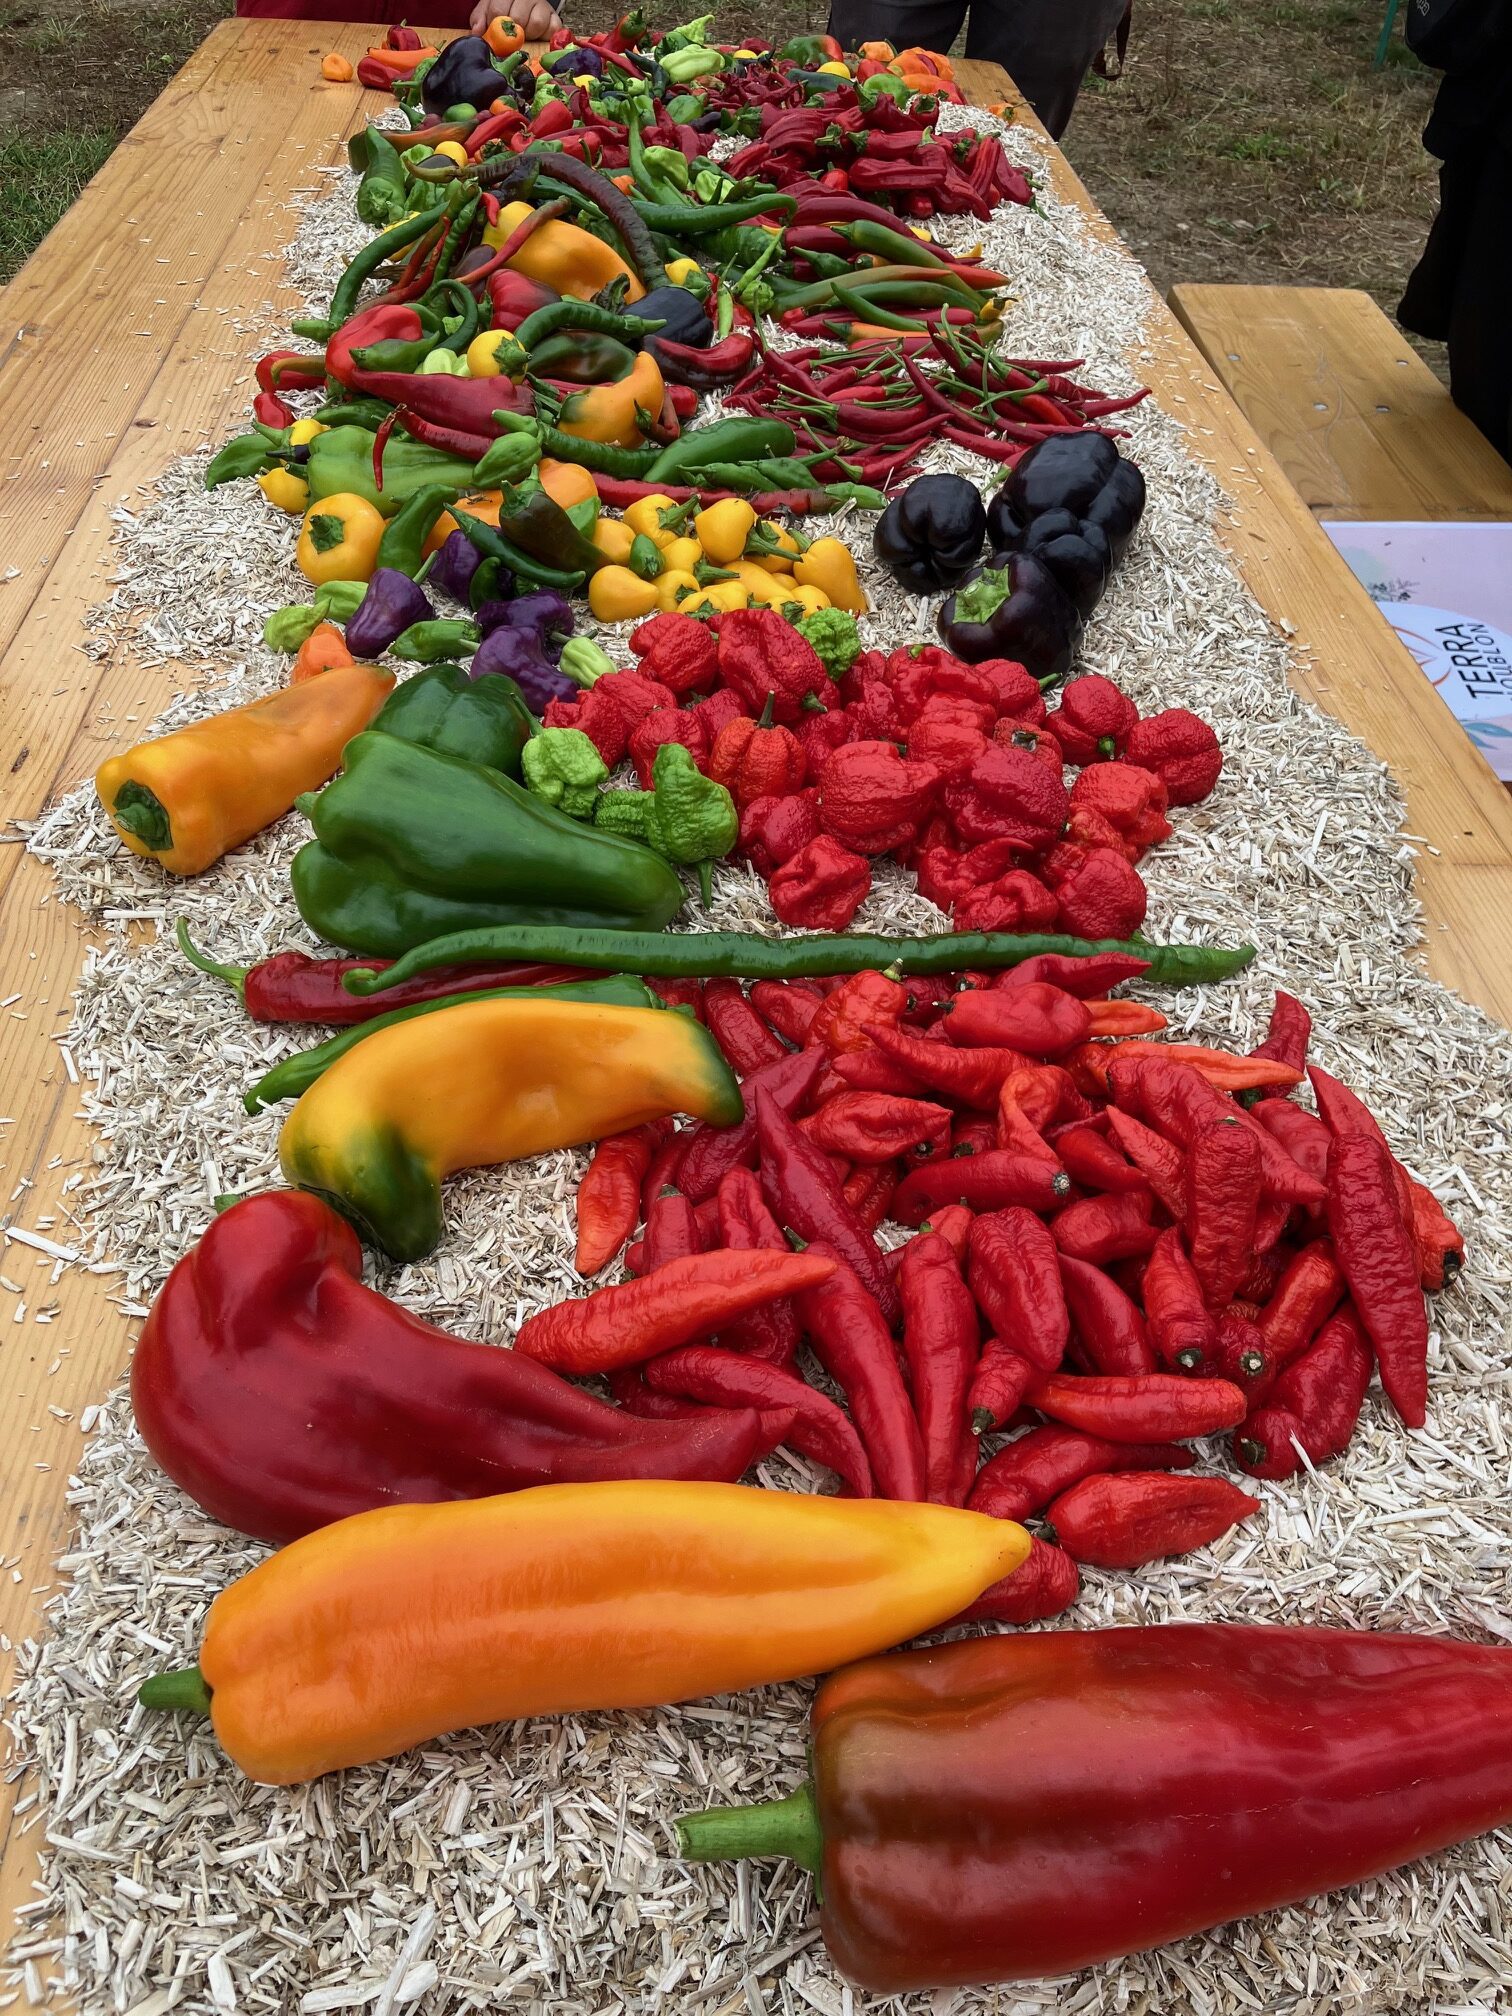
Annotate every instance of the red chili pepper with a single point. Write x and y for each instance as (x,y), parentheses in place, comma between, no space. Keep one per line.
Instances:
(1180,1103)
(1002,1378)
(736,1027)
(789,1080)
(1153,1407)
(1044,1584)
(967,1077)
(663,1171)
(1107,1321)
(1036,1467)
(1287,1038)
(1301,1134)
(724,1379)
(940,1344)
(1240,1355)
(1100,1229)
(990,1182)
(672,1230)
(1181,1325)
(676,1304)
(953,1223)
(852,1341)
(1440,1243)
(859,1001)
(1016,1280)
(1017,1132)
(745,1225)
(680,993)
(821,887)
(806,1198)
(609,1196)
(1301,1302)
(869,1192)
(1345,1113)
(1313,1406)
(271,410)
(878,1127)
(1125,1521)
(1376,1253)
(1036,1018)
(1222,1203)
(788,1007)
(1090,1159)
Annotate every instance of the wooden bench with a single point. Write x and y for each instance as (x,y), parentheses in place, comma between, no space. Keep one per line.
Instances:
(1347,407)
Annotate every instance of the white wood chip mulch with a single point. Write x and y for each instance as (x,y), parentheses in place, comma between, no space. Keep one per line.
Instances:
(531,1868)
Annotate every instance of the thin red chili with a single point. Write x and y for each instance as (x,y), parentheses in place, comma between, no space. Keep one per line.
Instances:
(940,1344)
(852,1341)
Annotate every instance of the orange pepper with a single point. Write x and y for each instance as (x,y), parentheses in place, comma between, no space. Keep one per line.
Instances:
(402,61)
(565,483)
(504,36)
(189,797)
(928,61)
(563,256)
(336,69)
(485,506)
(386,1630)
(322,650)
(606,413)
(877,52)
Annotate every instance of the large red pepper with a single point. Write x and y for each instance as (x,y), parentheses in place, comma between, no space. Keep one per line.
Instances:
(245,1374)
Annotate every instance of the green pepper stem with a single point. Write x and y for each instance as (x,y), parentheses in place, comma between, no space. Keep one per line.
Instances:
(234,976)
(182,1690)
(143,815)
(779,1827)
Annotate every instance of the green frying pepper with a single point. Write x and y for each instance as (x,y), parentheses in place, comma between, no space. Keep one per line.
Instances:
(484,720)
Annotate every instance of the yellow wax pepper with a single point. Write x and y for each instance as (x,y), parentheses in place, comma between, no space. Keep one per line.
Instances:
(562,255)
(828,565)
(606,413)
(615,595)
(339,539)
(501,1079)
(723,529)
(393,1627)
(676,587)
(189,797)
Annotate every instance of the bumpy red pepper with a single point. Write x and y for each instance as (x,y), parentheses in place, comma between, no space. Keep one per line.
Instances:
(1027,1804)
(1015,902)
(1094,719)
(1100,1229)
(773,830)
(968,1077)
(1153,1407)
(727,1379)
(805,1197)
(736,1027)
(762,656)
(745,1225)
(872,799)
(879,1126)
(1375,1251)
(754,759)
(678,651)
(788,1007)
(1313,1405)
(1102,897)
(1008,795)
(1131,800)
(821,887)
(243,1379)
(1287,1038)
(667,724)
(862,999)
(713,1151)
(1179,1102)
(1042,1020)
(1301,1302)
(1181,749)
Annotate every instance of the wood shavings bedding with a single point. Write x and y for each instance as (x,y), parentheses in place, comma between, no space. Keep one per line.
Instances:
(531,1867)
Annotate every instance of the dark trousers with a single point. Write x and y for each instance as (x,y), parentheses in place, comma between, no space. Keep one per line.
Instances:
(1461,291)
(1046,46)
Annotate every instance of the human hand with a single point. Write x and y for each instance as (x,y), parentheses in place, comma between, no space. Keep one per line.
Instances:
(538,18)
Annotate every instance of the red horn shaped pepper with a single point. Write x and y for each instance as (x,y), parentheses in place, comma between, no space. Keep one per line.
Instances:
(282,1394)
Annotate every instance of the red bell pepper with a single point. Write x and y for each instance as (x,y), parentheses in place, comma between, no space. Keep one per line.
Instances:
(245,1372)
(1021,1807)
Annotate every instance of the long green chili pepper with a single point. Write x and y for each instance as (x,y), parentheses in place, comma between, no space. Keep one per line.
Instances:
(823,291)
(456,238)
(856,303)
(369,413)
(693,221)
(679,955)
(583,315)
(600,456)
(371,257)
(493,545)
(465,304)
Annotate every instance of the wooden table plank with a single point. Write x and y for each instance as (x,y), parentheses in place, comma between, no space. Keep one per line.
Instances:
(239,124)
(1353,415)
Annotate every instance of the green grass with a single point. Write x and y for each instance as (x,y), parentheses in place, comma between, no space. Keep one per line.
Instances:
(39,178)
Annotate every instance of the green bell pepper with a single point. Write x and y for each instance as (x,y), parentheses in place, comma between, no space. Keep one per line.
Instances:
(410,843)
(484,720)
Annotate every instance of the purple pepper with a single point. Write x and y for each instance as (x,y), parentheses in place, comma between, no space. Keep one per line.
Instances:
(519,655)
(541,613)
(454,566)
(392,603)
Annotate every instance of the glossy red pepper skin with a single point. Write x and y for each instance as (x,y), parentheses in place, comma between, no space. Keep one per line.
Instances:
(940,1343)
(243,1379)
(1022,1806)
(806,1197)
(852,1342)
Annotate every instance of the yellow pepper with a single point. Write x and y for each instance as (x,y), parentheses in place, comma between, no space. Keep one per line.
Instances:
(606,413)
(304,431)
(566,483)
(807,594)
(189,797)
(724,528)
(767,589)
(495,354)
(828,565)
(776,563)
(614,537)
(287,489)
(487,1082)
(676,587)
(683,554)
(644,519)
(339,539)
(721,596)
(681,271)
(454,151)
(562,255)
(615,595)
(825,70)
(399,1625)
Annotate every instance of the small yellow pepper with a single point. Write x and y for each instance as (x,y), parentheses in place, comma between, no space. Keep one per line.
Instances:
(776,563)
(562,255)
(722,596)
(339,539)
(615,595)
(681,271)
(828,565)
(454,151)
(824,70)
(495,354)
(606,413)
(304,431)
(766,589)
(676,587)
(724,528)
(287,489)
(644,519)
(683,554)
(614,537)
(811,597)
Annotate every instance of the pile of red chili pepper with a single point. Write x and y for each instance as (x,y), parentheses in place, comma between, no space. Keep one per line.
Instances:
(1118,1246)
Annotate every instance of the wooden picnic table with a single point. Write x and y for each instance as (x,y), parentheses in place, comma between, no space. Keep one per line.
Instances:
(120,349)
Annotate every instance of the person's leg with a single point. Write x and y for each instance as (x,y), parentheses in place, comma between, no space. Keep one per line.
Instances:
(1046,46)
(907,24)
(1480,321)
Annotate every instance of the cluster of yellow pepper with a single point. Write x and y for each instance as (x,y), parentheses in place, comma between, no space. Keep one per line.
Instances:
(821,575)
